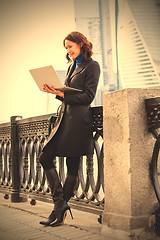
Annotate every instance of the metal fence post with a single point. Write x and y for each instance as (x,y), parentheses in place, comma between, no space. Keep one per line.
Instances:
(15,194)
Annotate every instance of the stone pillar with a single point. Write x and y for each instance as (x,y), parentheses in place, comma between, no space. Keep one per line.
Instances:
(128,147)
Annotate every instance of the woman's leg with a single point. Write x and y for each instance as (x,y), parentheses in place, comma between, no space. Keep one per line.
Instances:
(47,156)
(57,216)
(72,177)
(73,165)
(46,159)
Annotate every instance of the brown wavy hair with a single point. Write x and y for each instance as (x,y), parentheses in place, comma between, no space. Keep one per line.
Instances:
(79,38)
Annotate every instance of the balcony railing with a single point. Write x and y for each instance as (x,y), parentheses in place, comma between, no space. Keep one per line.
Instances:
(21,174)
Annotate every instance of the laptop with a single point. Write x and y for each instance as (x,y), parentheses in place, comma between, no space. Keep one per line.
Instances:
(47,75)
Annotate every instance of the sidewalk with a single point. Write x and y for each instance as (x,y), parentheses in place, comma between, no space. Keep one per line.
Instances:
(20,221)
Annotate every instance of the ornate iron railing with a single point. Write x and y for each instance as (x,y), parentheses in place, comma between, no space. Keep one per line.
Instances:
(21,174)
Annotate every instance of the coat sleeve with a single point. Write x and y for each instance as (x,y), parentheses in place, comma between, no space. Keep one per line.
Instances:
(91,83)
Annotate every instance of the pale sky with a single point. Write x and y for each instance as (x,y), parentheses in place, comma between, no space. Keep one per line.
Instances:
(32,34)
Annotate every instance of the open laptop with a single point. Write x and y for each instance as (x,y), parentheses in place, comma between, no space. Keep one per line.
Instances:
(47,75)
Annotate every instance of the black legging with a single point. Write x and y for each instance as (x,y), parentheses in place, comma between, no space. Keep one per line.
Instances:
(46,159)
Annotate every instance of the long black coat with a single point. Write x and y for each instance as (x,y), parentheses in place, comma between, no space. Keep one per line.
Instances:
(72,134)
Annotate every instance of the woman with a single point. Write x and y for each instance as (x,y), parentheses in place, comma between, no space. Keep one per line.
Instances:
(71,136)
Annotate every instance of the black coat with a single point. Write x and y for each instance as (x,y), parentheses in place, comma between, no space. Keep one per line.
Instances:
(72,133)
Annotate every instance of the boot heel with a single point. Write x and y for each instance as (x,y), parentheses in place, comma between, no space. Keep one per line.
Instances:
(70,212)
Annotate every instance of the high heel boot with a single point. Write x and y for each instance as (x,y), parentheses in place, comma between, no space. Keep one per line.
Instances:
(60,205)
(57,194)
(50,220)
(69,187)
(61,213)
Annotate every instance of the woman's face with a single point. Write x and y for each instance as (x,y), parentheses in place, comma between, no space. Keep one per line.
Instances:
(73,49)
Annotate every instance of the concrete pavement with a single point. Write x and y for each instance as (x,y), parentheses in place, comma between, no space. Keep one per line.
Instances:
(20,221)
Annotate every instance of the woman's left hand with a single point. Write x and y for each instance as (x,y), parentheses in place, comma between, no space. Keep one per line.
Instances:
(52,90)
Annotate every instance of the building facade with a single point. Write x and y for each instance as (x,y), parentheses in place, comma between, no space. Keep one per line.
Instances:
(139,43)
(126,39)
(92,17)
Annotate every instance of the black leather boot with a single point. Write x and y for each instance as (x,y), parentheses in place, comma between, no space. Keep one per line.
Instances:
(61,213)
(69,187)
(50,220)
(57,194)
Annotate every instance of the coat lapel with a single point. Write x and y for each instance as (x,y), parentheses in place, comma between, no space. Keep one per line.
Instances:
(72,73)
(69,73)
(78,69)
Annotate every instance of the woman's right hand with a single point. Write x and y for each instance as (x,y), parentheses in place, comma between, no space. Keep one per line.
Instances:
(52,90)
